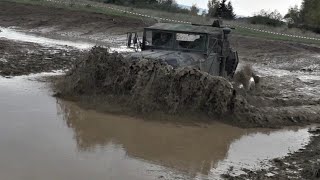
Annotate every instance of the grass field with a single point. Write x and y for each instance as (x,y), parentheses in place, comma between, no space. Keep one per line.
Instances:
(85,5)
(246,32)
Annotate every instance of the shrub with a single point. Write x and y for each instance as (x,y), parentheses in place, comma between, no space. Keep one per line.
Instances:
(266,21)
(267,18)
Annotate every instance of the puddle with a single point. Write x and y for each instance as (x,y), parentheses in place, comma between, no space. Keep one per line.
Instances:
(45,138)
(305,83)
(15,35)
(306,77)
(266,71)
(254,150)
(20,36)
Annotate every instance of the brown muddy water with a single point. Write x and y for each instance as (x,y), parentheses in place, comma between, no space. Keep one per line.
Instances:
(42,137)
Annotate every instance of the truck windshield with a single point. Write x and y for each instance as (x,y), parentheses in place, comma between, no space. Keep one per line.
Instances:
(159,39)
(178,41)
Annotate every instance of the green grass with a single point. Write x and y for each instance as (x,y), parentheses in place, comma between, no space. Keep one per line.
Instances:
(96,7)
(251,33)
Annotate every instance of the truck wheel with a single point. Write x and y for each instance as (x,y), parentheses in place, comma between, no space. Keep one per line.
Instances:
(231,66)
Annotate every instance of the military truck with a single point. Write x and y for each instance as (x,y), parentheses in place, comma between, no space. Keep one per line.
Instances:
(204,47)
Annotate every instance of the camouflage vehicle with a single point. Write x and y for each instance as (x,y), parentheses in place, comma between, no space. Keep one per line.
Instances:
(203,47)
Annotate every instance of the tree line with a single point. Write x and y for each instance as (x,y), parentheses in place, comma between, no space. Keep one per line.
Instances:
(216,8)
(307,16)
(269,18)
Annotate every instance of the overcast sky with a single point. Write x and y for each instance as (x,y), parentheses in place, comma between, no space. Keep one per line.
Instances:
(249,7)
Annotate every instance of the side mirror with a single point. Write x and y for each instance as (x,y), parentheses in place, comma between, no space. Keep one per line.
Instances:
(226,30)
(132,38)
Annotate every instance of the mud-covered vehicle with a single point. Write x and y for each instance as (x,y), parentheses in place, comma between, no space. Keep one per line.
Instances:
(203,47)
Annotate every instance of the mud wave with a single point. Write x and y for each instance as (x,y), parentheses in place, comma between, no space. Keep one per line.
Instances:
(149,85)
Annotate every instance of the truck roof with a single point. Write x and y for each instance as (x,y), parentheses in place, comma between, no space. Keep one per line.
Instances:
(185,28)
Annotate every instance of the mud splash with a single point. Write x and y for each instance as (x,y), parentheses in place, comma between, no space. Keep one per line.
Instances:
(148,85)
(145,86)
(46,138)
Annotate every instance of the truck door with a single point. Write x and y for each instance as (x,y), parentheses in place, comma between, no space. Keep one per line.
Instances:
(212,64)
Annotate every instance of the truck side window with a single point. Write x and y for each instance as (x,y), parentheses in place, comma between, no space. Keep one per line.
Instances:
(149,38)
(191,41)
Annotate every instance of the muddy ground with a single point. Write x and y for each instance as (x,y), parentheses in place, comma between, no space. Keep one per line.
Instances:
(289,79)
(288,90)
(289,86)
(66,24)
(23,58)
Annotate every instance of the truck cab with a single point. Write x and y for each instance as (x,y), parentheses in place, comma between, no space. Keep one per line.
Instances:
(180,45)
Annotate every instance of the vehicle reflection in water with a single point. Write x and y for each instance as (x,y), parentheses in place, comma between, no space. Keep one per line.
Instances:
(197,151)
(188,148)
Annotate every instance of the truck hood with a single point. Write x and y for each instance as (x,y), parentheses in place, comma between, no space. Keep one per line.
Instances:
(174,58)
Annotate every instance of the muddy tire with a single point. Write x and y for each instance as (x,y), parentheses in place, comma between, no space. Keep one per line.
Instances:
(231,67)
(232,64)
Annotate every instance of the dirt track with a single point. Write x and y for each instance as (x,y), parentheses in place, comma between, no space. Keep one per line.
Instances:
(20,58)
(289,87)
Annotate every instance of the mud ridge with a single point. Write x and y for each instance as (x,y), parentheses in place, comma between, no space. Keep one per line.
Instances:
(23,58)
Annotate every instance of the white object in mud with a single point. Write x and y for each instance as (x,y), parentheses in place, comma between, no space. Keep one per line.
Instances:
(252,83)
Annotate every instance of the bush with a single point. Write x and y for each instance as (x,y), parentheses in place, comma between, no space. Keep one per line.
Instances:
(267,18)
(266,21)
(315,29)
(308,17)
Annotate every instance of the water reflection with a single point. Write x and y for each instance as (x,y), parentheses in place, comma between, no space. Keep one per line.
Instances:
(199,151)
(188,148)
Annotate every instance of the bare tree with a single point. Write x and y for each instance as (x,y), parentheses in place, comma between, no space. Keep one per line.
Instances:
(194,10)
